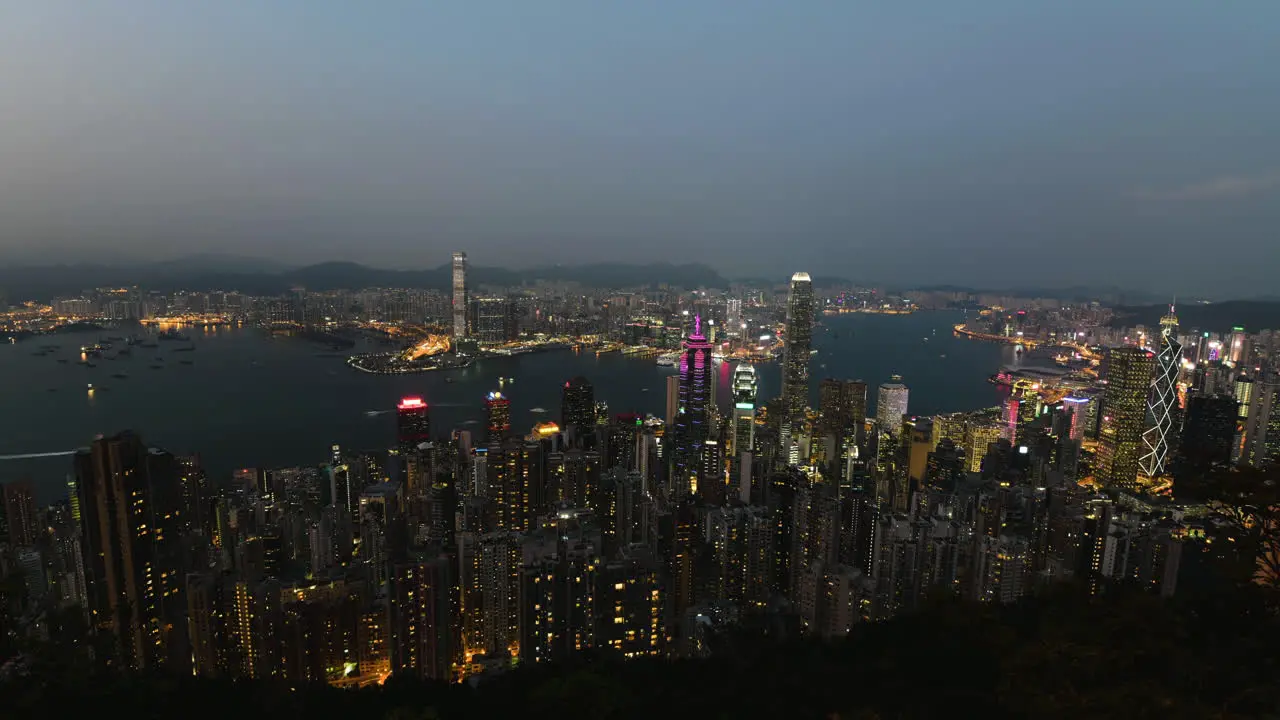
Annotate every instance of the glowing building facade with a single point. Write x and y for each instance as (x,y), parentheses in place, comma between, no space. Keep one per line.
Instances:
(891,406)
(1124,412)
(744,408)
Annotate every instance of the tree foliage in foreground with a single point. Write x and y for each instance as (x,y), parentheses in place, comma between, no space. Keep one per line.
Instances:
(1062,656)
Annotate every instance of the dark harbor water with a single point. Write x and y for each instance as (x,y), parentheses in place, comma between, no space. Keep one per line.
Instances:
(247,399)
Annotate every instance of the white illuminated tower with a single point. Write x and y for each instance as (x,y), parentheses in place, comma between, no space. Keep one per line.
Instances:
(744,408)
(1164,417)
(891,406)
(459,296)
(795,363)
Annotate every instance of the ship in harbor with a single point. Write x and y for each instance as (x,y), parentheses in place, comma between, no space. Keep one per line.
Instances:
(670,359)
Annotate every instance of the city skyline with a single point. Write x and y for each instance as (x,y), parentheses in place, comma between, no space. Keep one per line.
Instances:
(872,142)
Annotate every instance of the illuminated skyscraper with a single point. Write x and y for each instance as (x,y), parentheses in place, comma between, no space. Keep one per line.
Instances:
(413,424)
(578,404)
(795,362)
(744,408)
(1163,413)
(130,503)
(1124,412)
(1262,430)
(693,414)
(459,295)
(891,406)
(1238,352)
(498,415)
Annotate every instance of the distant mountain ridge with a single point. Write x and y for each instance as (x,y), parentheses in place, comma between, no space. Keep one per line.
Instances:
(230,273)
(1252,315)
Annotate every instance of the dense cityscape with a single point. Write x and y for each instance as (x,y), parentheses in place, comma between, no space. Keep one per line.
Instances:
(619,361)
(458,554)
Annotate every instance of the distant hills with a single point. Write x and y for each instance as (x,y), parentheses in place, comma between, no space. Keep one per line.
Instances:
(1253,315)
(203,273)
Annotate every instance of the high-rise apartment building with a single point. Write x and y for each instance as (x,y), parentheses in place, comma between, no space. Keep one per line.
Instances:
(131,508)
(799,339)
(20,513)
(459,296)
(1124,412)
(1164,416)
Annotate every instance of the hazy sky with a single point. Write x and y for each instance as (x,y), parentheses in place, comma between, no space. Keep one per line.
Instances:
(996,142)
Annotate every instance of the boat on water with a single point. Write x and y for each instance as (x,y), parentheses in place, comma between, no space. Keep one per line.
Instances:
(538,410)
(668,359)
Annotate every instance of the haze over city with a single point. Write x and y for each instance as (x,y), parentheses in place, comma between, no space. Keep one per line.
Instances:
(1098,143)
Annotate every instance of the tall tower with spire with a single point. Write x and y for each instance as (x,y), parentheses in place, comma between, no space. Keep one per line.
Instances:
(692,417)
(1164,415)
(795,362)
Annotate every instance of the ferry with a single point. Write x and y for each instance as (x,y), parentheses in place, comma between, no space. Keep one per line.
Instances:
(669,359)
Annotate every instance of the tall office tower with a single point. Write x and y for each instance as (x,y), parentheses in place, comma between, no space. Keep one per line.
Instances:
(795,361)
(733,319)
(744,408)
(578,404)
(673,400)
(1262,430)
(493,320)
(891,406)
(20,513)
(1124,408)
(842,406)
(694,413)
(978,436)
(1163,413)
(130,503)
(1208,432)
(497,408)
(413,424)
(459,296)
(1244,391)
(1238,351)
